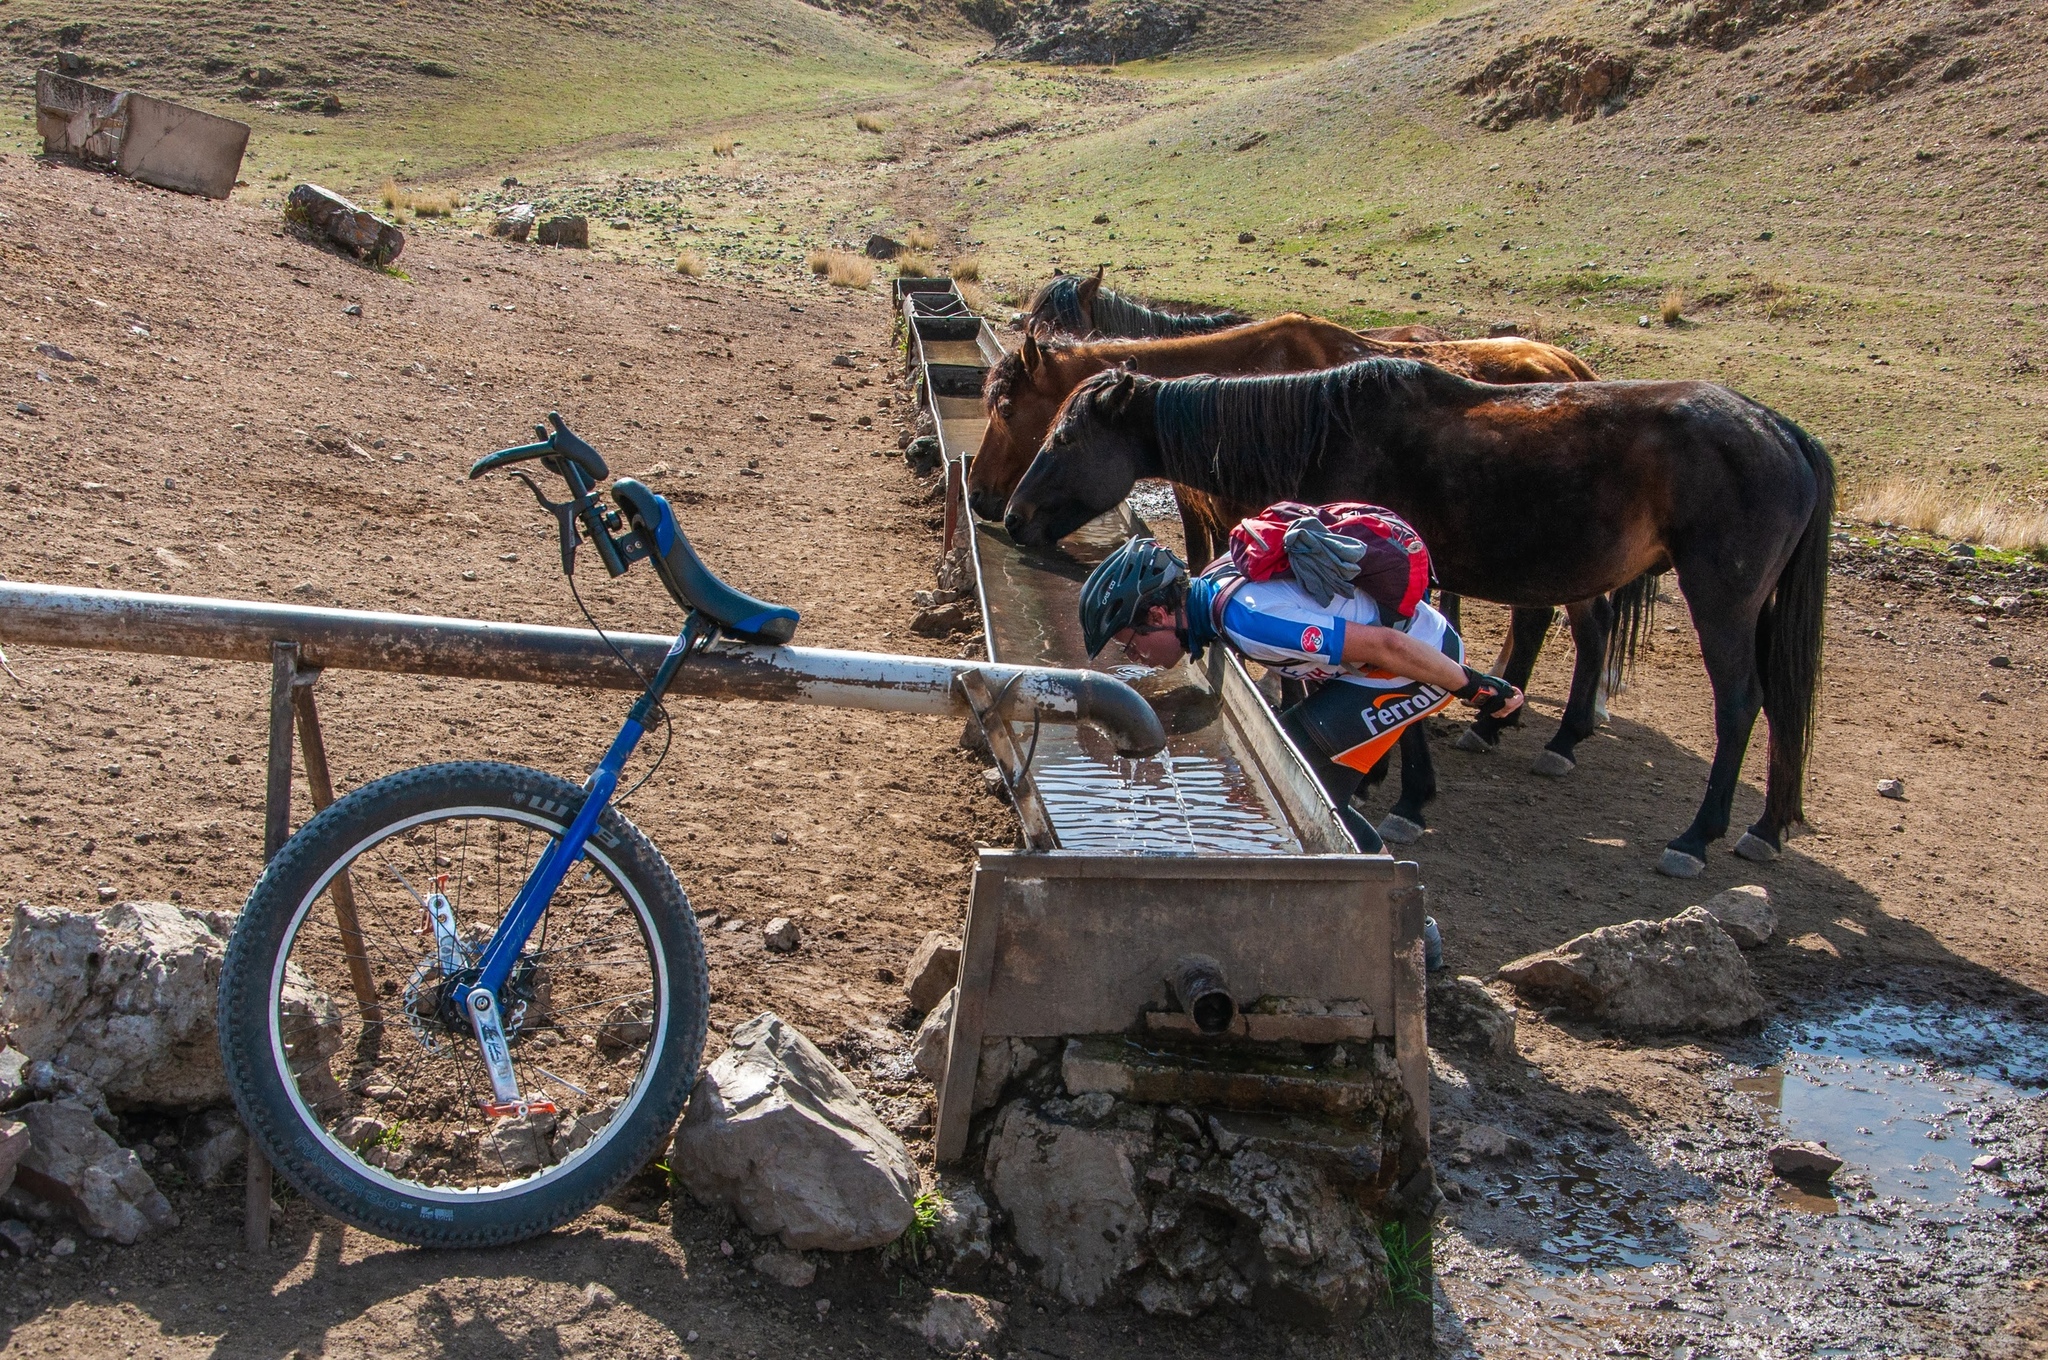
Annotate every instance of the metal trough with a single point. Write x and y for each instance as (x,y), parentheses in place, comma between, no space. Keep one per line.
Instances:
(1224,847)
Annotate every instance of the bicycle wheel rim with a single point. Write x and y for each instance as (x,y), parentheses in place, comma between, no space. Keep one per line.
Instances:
(589,1153)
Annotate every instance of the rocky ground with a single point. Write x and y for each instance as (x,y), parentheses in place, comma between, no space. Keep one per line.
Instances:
(216,420)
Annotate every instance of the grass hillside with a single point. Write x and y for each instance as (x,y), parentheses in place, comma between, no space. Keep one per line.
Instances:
(1834,205)
(1846,209)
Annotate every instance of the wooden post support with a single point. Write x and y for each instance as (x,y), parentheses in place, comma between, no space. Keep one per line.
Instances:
(343,890)
(277,828)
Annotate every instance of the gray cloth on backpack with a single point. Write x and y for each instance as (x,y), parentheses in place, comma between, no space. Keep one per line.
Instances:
(1323,563)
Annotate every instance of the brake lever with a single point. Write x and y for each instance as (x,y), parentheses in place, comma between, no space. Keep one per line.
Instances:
(565,519)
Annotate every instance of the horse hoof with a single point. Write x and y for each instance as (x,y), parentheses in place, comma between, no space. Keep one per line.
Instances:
(1678,864)
(1551,765)
(1472,743)
(1398,830)
(1756,849)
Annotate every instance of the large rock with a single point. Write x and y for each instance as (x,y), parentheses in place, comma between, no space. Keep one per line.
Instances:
(1464,1016)
(72,1163)
(1803,1160)
(14,1145)
(516,222)
(955,1324)
(961,1232)
(123,1000)
(1316,1259)
(778,1133)
(933,970)
(333,219)
(1683,974)
(934,1041)
(572,231)
(1072,1197)
(1745,913)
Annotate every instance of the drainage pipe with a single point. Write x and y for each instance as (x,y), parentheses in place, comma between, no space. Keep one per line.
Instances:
(477,649)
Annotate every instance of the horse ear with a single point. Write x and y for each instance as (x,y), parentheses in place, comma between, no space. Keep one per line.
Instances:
(1130,365)
(1085,294)
(1115,397)
(1032,355)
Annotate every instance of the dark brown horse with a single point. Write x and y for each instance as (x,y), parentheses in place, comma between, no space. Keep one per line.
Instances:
(1528,495)
(1080,307)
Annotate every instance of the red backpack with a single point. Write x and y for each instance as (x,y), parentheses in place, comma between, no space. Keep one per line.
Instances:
(1394,573)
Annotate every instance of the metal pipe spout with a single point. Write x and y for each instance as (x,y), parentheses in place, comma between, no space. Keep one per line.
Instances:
(355,639)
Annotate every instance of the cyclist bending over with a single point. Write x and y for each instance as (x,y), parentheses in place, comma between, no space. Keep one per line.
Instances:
(1320,594)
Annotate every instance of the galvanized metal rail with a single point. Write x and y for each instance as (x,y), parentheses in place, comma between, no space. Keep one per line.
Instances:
(352,639)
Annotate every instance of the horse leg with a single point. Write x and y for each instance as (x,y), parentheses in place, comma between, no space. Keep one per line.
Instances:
(1404,822)
(1526,630)
(1194,531)
(1591,622)
(1728,646)
(1451,607)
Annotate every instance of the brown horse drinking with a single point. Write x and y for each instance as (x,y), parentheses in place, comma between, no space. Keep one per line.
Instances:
(1080,307)
(1527,495)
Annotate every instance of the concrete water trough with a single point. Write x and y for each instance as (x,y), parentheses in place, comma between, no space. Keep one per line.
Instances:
(1223,850)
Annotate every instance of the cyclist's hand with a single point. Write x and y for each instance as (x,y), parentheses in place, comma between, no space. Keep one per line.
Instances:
(1491,695)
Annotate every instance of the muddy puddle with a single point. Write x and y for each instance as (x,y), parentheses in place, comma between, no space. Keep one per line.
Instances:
(1890,1088)
(1683,1244)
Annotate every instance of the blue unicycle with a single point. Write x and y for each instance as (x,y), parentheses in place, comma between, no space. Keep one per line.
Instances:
(467,1001)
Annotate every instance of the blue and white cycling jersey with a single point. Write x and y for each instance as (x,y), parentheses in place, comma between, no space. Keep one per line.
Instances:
(1277,624)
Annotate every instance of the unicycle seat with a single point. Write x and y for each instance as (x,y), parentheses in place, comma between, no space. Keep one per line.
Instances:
(689,581)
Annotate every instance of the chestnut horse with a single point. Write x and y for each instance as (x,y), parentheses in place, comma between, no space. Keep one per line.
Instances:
(1083,309)
(1529,495)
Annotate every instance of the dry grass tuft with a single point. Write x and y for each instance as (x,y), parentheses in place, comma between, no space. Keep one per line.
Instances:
(841,268)
(691,265)
(967,270)
(395,196)
(723,146)
(1945,513)
(1672,309)
(867,122)
(911,265)
(920,237)
(973,294)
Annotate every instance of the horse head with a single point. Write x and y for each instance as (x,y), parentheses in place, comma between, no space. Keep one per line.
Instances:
(1064,305)
(1100,444)
(1022,396)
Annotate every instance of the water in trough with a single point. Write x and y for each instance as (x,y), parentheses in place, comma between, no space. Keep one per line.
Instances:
(1198,798)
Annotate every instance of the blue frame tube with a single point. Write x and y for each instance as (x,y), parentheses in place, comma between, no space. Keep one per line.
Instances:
(509,940)
(539,890)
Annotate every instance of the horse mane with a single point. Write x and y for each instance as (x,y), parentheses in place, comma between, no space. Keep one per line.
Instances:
(1061,295)
(1007,374)
(1057,303)
(1118,315)
(1254,440)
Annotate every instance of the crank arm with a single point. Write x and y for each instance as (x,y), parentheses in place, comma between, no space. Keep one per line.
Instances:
(490,1037)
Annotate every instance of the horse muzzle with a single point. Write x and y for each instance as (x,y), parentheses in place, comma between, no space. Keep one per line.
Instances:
(987,505)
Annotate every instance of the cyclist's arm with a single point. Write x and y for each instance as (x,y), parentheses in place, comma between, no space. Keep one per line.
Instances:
(1372,647)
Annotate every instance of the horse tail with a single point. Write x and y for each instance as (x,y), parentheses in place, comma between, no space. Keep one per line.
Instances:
(1635,609)
(1788,636)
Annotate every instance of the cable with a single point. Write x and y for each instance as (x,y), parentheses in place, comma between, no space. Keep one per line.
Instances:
(668,726)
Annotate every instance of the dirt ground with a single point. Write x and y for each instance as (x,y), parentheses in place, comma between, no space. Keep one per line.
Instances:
(218,423)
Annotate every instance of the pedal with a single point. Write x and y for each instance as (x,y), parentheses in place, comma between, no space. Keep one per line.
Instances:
(518,1109)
